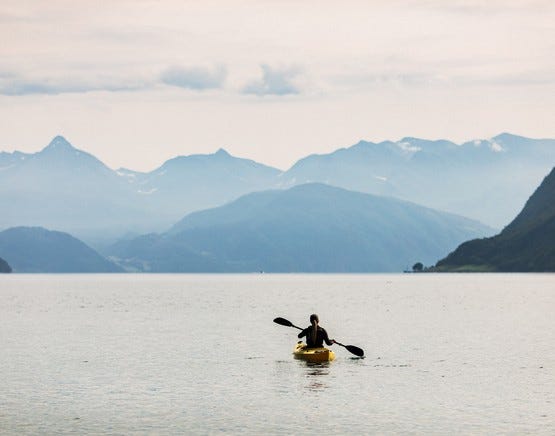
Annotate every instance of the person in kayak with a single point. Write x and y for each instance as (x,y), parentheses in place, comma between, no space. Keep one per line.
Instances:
(315,335)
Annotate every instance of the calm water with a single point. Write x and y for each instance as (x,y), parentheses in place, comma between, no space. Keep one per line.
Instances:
(196,354)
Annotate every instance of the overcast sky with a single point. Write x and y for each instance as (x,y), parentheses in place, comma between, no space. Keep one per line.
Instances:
(137,82)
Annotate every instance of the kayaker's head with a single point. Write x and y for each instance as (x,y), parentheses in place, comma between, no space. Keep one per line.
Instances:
(314,319)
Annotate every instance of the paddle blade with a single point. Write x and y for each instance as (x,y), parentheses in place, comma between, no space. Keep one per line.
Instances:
(283,321)
(355,350)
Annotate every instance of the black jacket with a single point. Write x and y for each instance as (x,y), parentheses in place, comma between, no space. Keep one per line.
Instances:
(321,336)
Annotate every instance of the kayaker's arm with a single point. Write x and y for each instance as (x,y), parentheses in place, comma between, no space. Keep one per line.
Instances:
(327,339)
(302,333)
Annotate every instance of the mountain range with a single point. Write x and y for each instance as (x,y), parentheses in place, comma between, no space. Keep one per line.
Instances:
(70,190)
(527,244)
(487,180)
(67,189)
(307,228)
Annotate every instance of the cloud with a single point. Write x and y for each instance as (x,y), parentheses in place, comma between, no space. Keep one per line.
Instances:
(274,82)
(194,78)
(13,85)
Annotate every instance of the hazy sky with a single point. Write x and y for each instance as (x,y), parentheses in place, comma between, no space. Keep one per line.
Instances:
(137,82)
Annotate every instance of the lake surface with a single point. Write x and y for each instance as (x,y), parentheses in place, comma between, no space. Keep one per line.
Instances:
(199,354)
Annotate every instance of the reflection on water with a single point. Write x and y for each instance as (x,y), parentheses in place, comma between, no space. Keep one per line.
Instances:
(316,375)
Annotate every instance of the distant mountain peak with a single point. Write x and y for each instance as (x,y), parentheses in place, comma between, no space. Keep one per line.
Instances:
(222,153)
(506,135)
(63,153)
(59,143)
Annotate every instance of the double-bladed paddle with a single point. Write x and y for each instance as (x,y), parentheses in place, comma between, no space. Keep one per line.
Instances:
(355,350)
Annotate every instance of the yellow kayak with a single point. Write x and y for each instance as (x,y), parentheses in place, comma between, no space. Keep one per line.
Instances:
(313,355)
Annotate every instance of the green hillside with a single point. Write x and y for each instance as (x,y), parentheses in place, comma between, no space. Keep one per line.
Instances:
(527,244)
